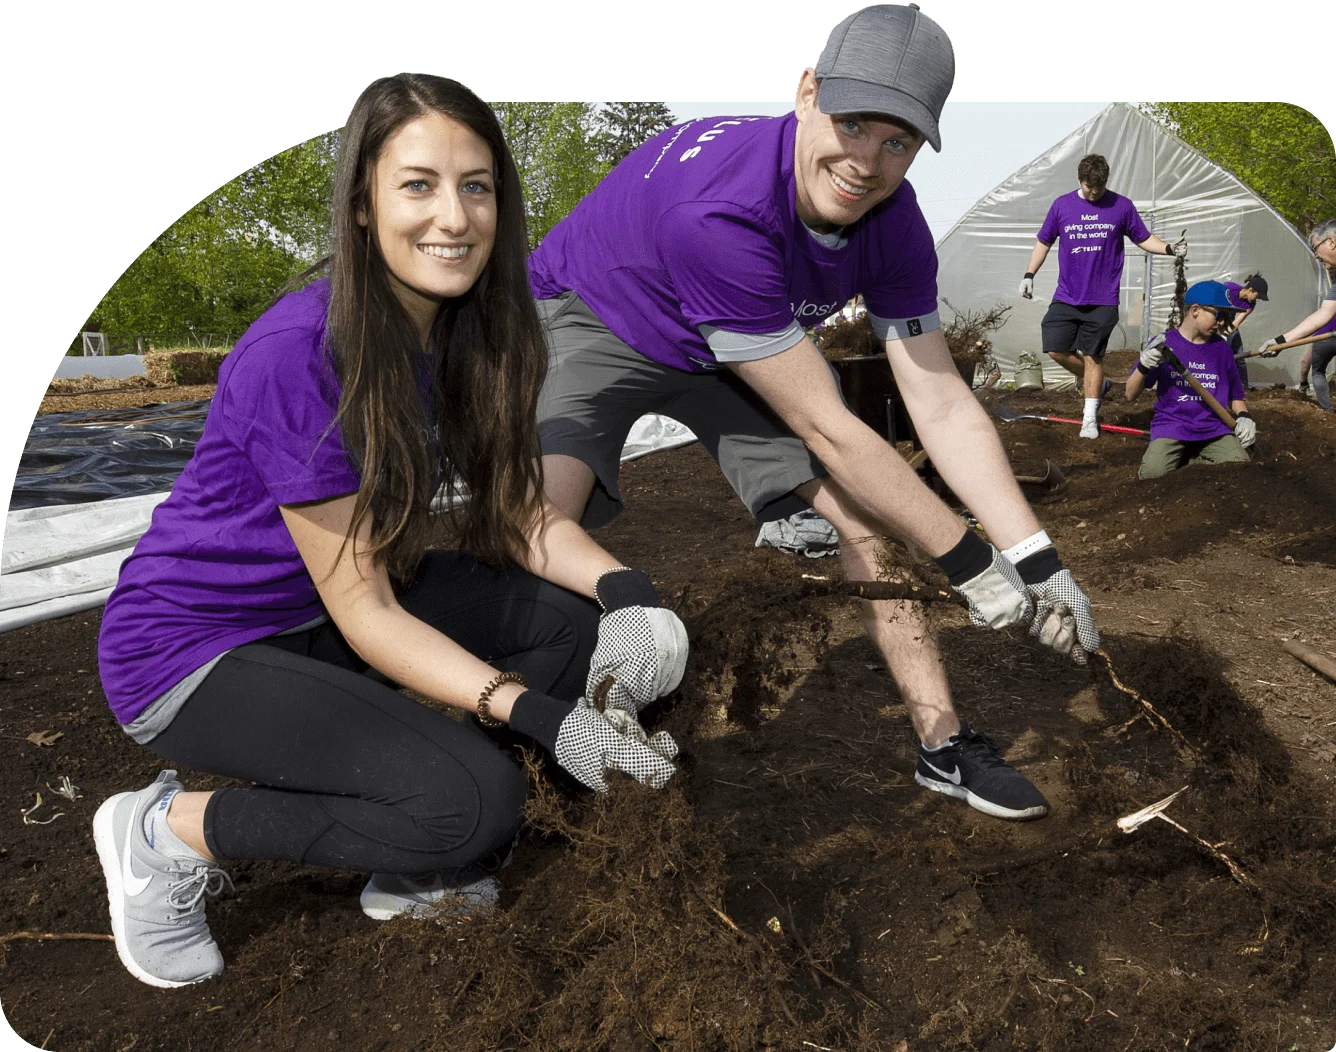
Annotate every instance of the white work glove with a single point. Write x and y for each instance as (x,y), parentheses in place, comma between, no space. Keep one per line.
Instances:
(1245,429)
(990,584)
(1027,288)
(641,645)
(588,743)
(1153,354)
(1178,248)
(1264,352)
(1063,618)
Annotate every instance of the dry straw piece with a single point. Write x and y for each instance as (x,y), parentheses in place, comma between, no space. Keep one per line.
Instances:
(1132,822)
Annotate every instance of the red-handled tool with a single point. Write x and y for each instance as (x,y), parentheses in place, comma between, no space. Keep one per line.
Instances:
(1008,415)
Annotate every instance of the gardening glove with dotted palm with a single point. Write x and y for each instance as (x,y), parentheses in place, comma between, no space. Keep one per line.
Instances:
(588,743)
(990,584)
(1063,618)
(642,645)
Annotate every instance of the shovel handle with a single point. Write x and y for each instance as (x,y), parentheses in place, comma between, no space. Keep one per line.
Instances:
(1224,414)
(1117,429)
(1286,346)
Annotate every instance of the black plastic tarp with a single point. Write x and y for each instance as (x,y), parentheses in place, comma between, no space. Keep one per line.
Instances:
(99,453)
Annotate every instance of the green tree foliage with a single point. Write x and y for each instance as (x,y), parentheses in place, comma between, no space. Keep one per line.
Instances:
(217,267)
(556,148)
(1281,151)
(625,125)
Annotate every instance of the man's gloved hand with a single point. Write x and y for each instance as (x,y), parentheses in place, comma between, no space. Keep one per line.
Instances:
(1178,248)
(641,645)
(588,743)
(994,590)
(1063,619)
(1265,352)
(1153,354)
(1027,287)
(1245,429)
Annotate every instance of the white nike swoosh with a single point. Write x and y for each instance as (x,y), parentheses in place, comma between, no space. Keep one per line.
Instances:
(133,886)
(954,776)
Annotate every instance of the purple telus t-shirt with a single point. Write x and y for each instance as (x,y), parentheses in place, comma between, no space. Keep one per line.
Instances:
(1180,413)
(1090,255)
(217,567)
(1233,288)
(698,227)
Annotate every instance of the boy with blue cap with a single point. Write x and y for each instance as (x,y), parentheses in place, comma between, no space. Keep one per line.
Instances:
(1184,429)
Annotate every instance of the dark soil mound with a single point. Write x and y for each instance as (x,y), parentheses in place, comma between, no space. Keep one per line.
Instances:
(793,888)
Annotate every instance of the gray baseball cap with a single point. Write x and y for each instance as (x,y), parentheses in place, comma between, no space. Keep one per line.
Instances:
(888,59)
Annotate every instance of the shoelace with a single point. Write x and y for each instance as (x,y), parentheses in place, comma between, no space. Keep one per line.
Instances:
(187,895)
(980,748)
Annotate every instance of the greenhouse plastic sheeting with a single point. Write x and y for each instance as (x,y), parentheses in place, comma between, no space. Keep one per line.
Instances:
(63,558)
(72,458)
(1231,232)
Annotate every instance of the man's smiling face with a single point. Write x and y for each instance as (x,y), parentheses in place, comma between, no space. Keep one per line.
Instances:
(846,163)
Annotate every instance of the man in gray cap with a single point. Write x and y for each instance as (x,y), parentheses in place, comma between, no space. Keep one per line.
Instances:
(684,285)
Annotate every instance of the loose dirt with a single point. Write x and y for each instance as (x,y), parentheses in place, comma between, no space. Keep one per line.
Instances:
(793,888)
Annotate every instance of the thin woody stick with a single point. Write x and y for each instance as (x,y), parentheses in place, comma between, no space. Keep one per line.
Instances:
(1146,705)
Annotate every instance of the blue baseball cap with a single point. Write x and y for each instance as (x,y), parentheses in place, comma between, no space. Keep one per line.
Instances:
(1208,294)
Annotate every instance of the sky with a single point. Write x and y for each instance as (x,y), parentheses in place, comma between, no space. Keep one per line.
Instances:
(982,144)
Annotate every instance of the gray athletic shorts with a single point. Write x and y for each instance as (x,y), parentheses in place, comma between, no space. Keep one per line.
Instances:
(597,387)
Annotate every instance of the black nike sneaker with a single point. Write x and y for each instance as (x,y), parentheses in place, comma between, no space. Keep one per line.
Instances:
(970,768)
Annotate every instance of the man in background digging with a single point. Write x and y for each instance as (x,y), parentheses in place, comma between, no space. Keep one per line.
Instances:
(1322,241)
(1184,429)
(683,284)
(1091,222)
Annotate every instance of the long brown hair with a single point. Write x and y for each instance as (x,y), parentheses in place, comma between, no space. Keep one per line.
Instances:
(476,433)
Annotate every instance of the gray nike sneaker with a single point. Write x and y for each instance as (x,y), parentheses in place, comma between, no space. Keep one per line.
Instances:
(157,900)
(389,895)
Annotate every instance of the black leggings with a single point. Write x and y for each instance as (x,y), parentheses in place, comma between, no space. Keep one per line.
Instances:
(351,773)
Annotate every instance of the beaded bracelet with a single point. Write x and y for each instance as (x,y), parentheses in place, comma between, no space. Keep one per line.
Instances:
(485,716)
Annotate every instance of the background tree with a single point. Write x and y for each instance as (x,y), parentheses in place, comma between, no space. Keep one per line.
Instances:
(1280,151)
(625,125)
(556,148)
(219,266)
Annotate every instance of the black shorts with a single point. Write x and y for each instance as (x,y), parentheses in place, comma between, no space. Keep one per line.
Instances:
(1070,329)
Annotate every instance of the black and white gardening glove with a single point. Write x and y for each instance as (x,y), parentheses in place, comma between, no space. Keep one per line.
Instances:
(1265,352)
(994,590)
(1027,287)
(588,743)
(1063,619)
(1152,355)
(1245,429)
(641,644)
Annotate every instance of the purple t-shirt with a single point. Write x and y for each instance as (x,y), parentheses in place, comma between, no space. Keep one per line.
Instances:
(1090,255)
(698,228)
(217,567)
(1180,413)
(1233,288)
(1331,295)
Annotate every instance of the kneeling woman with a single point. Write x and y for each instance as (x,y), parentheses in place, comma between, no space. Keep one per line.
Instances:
(285,584)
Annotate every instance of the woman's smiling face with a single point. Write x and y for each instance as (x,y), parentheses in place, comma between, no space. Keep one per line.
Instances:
(434,211)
